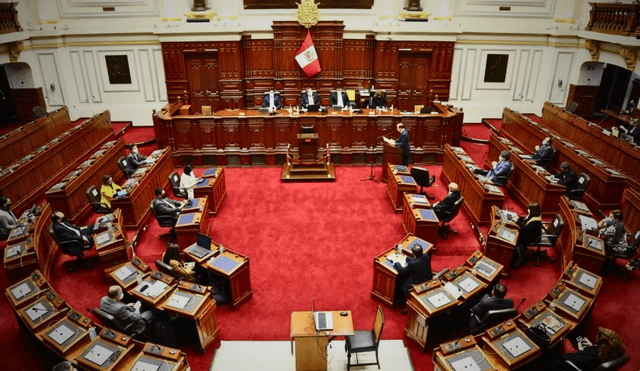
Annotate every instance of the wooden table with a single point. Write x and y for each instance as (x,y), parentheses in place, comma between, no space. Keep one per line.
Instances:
(217,181)
(397,186)
(311,345)
(191,222)
(136,204)
(112,243)
(478,196)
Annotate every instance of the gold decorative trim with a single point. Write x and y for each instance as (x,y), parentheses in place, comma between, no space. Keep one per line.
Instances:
(208,15)
(308,14)
(48,21)
(594,49)
(176,19)
(442,18)
(15,48)
(414,15)
(564,20)
(630,56)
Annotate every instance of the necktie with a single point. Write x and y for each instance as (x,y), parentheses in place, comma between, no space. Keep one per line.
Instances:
(310,99)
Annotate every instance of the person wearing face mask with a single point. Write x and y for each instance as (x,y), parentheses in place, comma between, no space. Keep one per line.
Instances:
(163,205)
(66,231)
(542,155)
(339,98)
(107,191)
(499,170)
(8,220)
(127,314)
(135,159)
(64,366)
(188,181)
(272,101)
(529,231)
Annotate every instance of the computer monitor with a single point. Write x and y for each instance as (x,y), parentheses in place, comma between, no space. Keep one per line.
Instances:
(313,108)
(203,241)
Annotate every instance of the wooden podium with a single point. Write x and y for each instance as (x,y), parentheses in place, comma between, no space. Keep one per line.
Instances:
(390,155)
(501,240)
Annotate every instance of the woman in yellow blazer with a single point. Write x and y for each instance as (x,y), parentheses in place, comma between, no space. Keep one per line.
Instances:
(108,190)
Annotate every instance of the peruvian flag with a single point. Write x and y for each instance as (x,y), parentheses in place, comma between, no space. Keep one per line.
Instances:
(308,58)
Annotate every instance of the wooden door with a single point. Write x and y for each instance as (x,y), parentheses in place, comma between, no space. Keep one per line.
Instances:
(413,82)
(202,73)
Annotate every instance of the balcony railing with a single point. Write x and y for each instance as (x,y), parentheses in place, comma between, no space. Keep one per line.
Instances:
(9,18)
(616,19)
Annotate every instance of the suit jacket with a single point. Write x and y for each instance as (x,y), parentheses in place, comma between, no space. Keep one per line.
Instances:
(488,303)
(134,161)
(8,221)
(543,154)
(446,204)
(65,234)
(501,170)
(568,179)
(418,270)
(128,316)
(403,142)
(304,99)
(333,99)
(586,359)
(276,101)
(379,102)
(530,230)
(635,133)
(166,206)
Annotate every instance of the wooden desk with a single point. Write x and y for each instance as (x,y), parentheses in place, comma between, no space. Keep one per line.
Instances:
(141,291)
(27,138)
(189,224)
(31,176)
(112,245)
(167,360)
(540,313)
(582,280)
(631,210)
(397,186)
(501,240)
(69,195)
(478,197)
(473,355)
(512,338)
(528,182)
(572,245)
(311,346)
(421,222)
(135,205)
(99,347)
(68,336)
(27,290)
(236,268)
(215,189)
(126,275)
(607,184)
(393,169)
(38,314)
(384,274)
(568,302)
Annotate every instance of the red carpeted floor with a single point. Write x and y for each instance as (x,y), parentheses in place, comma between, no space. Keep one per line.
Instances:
(317,241)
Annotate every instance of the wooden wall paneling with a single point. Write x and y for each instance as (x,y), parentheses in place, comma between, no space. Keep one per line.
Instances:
(259,69)
(208,138)
(257,127)
(184,135)
(231,73)
(231,135)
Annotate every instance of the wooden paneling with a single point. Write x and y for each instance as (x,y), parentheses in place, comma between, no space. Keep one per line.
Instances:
(325,4)
(25,100)
(585,96)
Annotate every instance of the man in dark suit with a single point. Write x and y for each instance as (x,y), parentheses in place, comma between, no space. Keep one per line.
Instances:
(128,315)
(446,204)
(135,160)
(66,231)
(543,153)
(272,100)
(339,98)
(633,131)
(417,270)
(163,205)
(566,177)
(487,303)
(309,97)
(402,142)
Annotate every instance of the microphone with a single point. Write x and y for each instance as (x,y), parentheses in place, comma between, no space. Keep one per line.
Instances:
(521,302)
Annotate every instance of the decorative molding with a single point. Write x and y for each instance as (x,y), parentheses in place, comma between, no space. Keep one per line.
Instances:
(414,15)
(176,19)
(564,20)
(519,8)
(442,18)
(207,15)
(48,21)
(630,56)
(96,9)
(15,48)
(594,49)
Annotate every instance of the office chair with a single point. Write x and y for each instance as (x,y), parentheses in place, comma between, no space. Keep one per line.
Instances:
(72,248)
(447,216)
(613,365)
(174,179)
(502,180)
(122,163)
(164,221)
(494,317)
(94,200)
(38,112)
(365,341)
(421,176)
(578,193)
(625,252)
(166,269)
(548,238)
(113,322)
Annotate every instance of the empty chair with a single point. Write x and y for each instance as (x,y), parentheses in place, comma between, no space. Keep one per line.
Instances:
(166,221)
(494,317)
(583,183)
(174,180)
(122,163)
(365,341)
(624,252)
(447,216)
(421,176)
(94,200)
(72,248)
(548,238)
(613,365)
(38,112)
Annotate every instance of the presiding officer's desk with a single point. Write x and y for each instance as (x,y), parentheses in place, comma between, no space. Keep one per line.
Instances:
(26,180)
(136,204)
(620,154)
(528,181)
(607,184)
(214,186)
(69,195)
(478,195)
(249,137)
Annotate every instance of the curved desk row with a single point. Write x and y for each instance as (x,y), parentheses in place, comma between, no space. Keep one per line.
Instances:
(76,338)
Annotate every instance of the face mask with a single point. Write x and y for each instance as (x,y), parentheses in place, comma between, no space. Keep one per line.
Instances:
(135,150)
(164,195)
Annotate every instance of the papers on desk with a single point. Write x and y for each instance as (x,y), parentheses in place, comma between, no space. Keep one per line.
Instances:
(156,152)
(516,346)
(103,237)
(588,223)
(13,251)
(21,291)
(453,290)
(420,199)
(438,300)
(36,312)
(124,272)
(61,334)
(178,301)
(506,215)
(574,302)
(492,189)
(526,157)
(145,366)
(397,258)
(588,280)
(552,324)
(507,234)
(465,364)
(98,354)
(580,206)
(468,284)
(485,269)
(152,290)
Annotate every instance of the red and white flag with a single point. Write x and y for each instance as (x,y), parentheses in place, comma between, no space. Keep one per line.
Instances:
(308,58)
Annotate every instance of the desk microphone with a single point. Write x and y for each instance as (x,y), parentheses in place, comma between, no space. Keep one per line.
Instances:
(521,302)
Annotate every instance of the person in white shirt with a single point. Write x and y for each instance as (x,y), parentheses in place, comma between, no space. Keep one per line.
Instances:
(188,181)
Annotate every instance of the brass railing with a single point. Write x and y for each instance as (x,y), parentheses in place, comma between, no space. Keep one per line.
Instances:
(617,19)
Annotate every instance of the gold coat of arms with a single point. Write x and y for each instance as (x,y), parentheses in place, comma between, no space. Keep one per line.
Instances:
(308,14)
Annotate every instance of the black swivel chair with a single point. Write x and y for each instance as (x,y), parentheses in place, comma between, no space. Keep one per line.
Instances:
(166,221)
(447,216)
(548,238)
(365,341)
(174,179)
(421,176)
(72,248)
(613,365)
(624,252)
(166,269)
(94,200)
(122,163)
(494,317)
(547,162)
(578,193)
(504,179)
(113,322)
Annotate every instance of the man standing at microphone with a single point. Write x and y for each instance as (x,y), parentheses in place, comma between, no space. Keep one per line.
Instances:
(402,142)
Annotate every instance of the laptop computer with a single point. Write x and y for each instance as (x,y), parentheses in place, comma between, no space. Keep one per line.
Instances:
(322,320)
(202,246)
(313,108)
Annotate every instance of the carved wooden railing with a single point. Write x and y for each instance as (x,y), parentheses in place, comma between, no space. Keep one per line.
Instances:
(9,18)
(617,19)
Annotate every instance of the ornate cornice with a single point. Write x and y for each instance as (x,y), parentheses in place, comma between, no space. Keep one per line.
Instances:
(594,49)
(630,56)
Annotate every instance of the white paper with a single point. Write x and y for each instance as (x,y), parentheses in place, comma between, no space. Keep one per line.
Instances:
(144,366)
(36,311)
(588,223)
(61,334)
(588,280)
(516,346)
(178,301)
(453,290)
(20,291)
(574,302)
(13,251)
(468,284)
(102,238)
(123,273)
(485,269)
(465,364)
(156,289)
(98,354)
(439,300)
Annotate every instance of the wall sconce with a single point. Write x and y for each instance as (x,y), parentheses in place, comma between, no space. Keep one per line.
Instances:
(52,86)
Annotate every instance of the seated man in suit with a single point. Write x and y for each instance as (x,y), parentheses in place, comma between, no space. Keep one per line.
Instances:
(379,99)
(135,159)
(499,169)
(8,220)
(163,205)
(612,229)
(309,97)
(633,131)
(487,303)
(417,270)
(566,177)
(66,231)
(126,314)
(339,98)
(272,100)
(543,153)
(529,231)
(446,204)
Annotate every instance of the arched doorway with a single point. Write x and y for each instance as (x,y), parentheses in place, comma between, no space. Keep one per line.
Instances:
(603,86)
(18,95)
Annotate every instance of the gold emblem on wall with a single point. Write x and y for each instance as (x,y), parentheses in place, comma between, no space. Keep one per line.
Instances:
(308,13)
